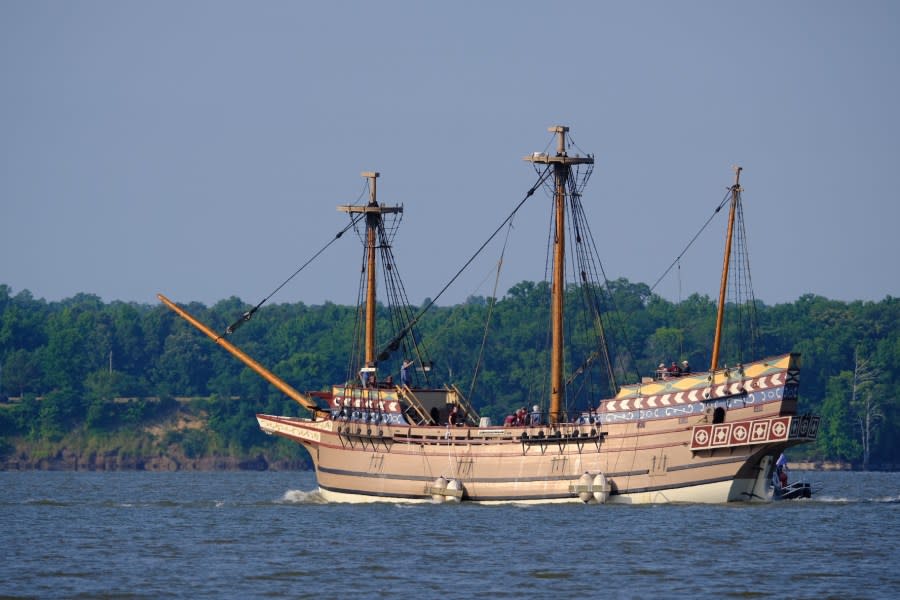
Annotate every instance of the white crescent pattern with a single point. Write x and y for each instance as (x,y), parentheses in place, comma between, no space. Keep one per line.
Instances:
(695,394)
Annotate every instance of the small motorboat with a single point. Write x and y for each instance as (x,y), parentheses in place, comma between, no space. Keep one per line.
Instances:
(798,489)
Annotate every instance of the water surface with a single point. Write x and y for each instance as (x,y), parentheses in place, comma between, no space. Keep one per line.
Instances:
(251,534)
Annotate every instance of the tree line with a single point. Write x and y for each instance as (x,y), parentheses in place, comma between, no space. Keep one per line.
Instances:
(99,368)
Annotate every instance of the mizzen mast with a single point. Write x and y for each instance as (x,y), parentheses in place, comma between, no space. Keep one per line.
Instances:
(562,167)
(735,198)
(373,212)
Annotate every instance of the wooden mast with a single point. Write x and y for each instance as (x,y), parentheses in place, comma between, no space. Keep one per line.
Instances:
(562,166)
(373,214)
(735,195)
(372,220)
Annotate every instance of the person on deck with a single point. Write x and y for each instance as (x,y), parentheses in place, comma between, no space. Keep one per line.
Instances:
(535,415)
(520,417)
(674,370)
(661,371)
(685,367)
(404,372)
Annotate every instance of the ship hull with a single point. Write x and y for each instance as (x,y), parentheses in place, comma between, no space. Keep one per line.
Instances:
(686,452)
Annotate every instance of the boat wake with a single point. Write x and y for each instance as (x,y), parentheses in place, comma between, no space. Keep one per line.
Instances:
(302,497)
(849,500)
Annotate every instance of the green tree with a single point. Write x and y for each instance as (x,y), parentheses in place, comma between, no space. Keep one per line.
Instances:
(59,411)
(837,439)
(21,373)
(667,343)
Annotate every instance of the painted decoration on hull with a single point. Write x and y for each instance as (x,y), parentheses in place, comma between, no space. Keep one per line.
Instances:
(757,431)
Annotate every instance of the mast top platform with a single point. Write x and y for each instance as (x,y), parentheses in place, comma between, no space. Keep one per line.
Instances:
(368,208)
(560,158)
(372,206)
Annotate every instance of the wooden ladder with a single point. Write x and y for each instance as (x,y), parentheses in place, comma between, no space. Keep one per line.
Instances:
(414,403)
(471,414)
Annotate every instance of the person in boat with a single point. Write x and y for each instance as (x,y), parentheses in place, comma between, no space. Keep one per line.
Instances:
(781,470)
(404,372)
(661,371)
(685,367)
(509,421)
(389,381)
(535,415)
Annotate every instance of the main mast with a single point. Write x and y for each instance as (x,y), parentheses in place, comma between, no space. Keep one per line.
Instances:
(735,198)
(562,167)
(373,212)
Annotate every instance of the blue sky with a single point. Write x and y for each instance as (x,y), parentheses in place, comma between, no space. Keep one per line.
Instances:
(199,149)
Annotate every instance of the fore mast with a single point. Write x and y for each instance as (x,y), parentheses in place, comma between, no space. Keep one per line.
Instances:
(373,213)
(562,167)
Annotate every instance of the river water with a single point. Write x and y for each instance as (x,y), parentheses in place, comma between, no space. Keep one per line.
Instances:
(251,535)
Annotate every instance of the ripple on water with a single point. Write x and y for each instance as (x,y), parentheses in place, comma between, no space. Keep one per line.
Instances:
(49,502)
(548,574)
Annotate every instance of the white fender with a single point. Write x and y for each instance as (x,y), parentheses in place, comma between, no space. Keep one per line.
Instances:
(584,488)
(601,488)
(456,486)
(437,489)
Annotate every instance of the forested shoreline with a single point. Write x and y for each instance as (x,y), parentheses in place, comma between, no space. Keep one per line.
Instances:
(92,385)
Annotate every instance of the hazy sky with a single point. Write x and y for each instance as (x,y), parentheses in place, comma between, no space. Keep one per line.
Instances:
(200,148)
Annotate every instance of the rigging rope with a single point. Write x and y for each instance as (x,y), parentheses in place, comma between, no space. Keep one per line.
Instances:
(355,359)
(679,317)
(441,333)
(249,314)
(394,342)
(740,285)
(693,239)
(487,322)
(587,245)
(587,275)
(740,288)
(400,312)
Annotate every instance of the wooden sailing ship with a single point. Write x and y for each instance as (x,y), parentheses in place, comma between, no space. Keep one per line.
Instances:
(701,437)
